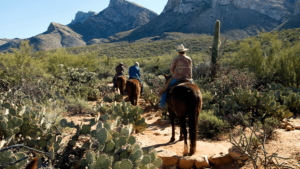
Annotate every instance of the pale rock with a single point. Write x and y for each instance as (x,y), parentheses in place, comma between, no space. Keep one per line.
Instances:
(288,123)
(236,154)
(201,162)
(277,10)
(289,128)
(186,162)
(168,158)
(219,159)
(297,127)
(80,16)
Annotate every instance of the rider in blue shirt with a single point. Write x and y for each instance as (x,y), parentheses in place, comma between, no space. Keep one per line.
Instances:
(134,73)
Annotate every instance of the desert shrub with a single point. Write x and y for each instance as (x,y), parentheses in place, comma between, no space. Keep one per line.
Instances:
(254,141)
(270,125)
(78,106)
(269,58)
(210,125)
(207,97)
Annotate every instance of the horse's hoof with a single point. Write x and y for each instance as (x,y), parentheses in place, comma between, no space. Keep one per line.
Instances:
(172,140)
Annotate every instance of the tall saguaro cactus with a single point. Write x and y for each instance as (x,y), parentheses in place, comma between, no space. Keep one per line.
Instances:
(215,48)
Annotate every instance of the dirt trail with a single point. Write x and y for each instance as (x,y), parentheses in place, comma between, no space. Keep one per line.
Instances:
(158,135)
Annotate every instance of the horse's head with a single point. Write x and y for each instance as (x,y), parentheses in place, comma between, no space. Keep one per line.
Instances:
(167,77)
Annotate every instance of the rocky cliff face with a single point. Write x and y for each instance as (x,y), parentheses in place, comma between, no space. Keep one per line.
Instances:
(276,9)
(297,7)
(121,15)
(80,16)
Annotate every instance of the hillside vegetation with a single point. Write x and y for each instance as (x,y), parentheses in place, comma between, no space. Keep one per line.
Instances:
(256,84)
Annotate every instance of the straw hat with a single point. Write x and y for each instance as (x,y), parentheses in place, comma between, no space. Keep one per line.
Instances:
(180,48)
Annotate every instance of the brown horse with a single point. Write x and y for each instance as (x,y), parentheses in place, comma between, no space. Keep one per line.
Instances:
(33,164)
(185,101)
(133,87)
(120,84)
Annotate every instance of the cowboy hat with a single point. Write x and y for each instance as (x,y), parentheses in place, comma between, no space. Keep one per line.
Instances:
(180,48)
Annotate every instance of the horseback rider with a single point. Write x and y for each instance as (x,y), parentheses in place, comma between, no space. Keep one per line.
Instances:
(181,68)
(120,72)
(134,73)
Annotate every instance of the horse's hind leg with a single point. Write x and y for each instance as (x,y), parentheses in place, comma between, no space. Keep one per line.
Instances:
(183,128)
(171,115)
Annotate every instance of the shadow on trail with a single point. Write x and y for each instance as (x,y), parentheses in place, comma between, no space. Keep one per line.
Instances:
(161,145)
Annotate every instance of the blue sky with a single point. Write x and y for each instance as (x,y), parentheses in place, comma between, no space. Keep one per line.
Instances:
(27,18)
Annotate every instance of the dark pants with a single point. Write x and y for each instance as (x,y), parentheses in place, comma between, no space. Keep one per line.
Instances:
(114,79)
(142,89)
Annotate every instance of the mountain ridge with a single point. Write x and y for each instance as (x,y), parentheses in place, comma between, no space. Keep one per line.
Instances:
(126,21)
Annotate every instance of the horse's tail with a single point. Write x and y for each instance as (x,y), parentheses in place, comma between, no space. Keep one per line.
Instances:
(194,109)
(121,87)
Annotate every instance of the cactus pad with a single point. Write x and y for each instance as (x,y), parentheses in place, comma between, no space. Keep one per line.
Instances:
(136,155)
(102,135)
(131,140)
(152,156)
(99,126)
(104,117)
(146,160)
(86,129)
(157,162)
(90,157)
(126,164)
(12,111)
(109,147)
(63,123)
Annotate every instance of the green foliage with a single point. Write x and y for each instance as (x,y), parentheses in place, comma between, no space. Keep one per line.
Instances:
(259,105)
(270,56)
(270,125)
(210,125)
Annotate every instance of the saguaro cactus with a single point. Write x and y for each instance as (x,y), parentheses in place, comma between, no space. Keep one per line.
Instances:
(215,48)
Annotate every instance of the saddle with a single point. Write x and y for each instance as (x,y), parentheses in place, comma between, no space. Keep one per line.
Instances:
(168,89)
(179,81)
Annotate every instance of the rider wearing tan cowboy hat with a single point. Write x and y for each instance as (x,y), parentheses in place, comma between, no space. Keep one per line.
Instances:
(181,67)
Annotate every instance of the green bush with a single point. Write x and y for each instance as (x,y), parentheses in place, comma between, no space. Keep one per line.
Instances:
(210,125)
(270,125)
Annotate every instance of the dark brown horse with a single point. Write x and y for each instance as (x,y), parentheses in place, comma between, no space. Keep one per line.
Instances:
(120,84)
(185,101)
(133,87)
(33,164)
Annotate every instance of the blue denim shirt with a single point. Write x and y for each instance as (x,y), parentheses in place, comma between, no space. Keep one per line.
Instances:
(134,72)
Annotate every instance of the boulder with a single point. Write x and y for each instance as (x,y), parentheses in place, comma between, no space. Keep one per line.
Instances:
(283,125)
(297,127)
(186,162)
(289,128)
(168,158)
(288,123)
(201,162)
(236,154)
(217,160)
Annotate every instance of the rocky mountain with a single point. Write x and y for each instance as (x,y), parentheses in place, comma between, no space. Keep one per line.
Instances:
(297,7)
(239,18)
(126,21)
(119,16)
(80,16)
